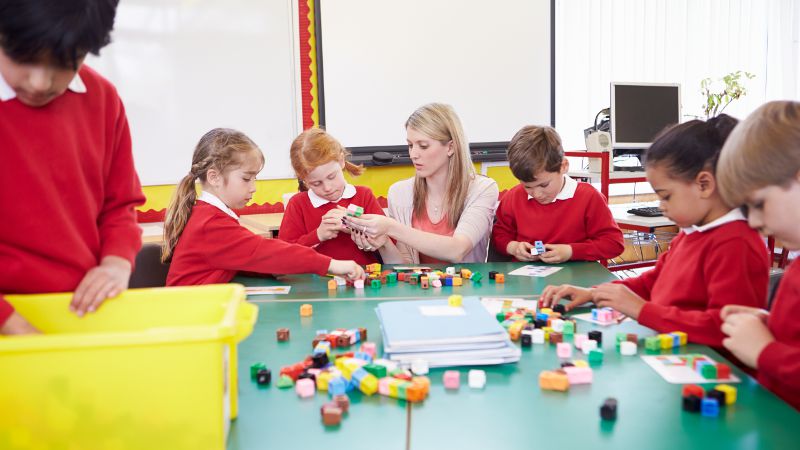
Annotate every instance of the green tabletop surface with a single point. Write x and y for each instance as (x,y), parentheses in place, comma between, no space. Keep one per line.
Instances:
(511,412)
(313,287)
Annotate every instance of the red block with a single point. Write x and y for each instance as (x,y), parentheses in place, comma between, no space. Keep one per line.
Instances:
(723,371)
(693,389)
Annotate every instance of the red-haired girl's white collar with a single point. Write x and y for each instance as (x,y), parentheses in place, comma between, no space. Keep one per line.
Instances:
(317,201)
(732,216)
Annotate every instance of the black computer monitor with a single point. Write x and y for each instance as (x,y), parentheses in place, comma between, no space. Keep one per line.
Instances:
(639,111)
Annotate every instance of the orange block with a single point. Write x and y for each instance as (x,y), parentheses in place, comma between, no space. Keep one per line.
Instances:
(457,281)
(499,278)
(415,393)
(550,380)
(306,310)
(332,285)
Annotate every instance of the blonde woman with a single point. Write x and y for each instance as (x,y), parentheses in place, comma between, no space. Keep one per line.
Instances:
(444,213)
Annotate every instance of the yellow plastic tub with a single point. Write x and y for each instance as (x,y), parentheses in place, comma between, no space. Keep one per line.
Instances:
(152,369)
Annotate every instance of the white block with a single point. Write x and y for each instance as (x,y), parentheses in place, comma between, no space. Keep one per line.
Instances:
(476,379)
(627,348)
(537,336)
(450,271)
(557,325)
(339,280)
(419,367)
(588,345)
(390,365)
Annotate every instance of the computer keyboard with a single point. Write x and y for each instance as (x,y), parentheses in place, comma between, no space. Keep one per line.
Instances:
(646,211)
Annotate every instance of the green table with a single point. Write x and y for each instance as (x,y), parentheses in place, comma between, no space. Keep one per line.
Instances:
(512,412)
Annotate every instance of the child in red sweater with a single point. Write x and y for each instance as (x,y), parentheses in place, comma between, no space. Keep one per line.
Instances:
(69,193)
(313,218)
(571,218)
(760,167)
(715,260)
(202,236)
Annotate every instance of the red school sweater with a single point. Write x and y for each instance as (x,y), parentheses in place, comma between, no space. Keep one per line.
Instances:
(301,220)
(583,221)
(702,272)
(214,247)
(779,362)
(69,189)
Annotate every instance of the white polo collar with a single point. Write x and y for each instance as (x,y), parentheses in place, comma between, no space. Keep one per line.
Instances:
(317,201)
(212,199)
(731,216)
(567,192)
(7,93)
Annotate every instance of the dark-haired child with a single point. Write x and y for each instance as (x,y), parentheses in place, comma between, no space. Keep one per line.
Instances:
(571,218)
(715,260)
(70,190)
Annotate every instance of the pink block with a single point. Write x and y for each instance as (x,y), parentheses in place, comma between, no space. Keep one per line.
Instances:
(578,340)
(314,371)
(358,284)
(369,348)
(604,316)
(579,375)
(437,283)
(452,379)
(305,387)
(383,385)
(564,350)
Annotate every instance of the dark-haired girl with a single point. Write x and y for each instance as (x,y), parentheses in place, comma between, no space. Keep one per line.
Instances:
(715,260)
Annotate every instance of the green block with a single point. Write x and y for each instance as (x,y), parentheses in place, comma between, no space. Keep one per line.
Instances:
(375,284)
(285,382)
(709,371)
(402,390)
(529,317)
(501,316)
(652,343)
(255,368)
(596,356)
(569,328)
(621,337)
(376,369)
(476,277)
(391,278)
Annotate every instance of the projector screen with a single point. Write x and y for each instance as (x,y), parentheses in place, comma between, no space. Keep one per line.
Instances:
(380,60)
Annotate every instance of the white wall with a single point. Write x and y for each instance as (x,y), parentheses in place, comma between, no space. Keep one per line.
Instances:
(184,67)
(384,59)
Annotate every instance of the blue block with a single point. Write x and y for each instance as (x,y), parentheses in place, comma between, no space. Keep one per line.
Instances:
(337,386)
(676,340)
(363,356)
(448,281)
(541,316)
(709,407)
(594,313)
(358,375)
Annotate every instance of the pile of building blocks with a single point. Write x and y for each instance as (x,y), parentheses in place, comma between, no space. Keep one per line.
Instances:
(424,278)
(627,344)
(571,373)
(341,338)
(531,327)
(707,403)
(354,210)
(665,341)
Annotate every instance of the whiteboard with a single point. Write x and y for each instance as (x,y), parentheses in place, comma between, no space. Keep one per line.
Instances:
(383,59)
(185,67)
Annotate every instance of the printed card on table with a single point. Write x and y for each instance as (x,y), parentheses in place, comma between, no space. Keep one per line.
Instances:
(677,369)
(535,271)
(267,290)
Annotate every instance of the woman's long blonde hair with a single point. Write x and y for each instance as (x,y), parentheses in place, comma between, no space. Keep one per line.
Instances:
(315,147)
(440,122)
(221,149)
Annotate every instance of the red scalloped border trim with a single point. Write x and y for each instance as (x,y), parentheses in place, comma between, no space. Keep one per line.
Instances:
(152,215)
(305,63)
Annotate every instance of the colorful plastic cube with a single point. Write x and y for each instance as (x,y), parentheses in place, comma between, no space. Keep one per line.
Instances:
(729,391)
(282,334)
(627,348)
(332,285)
(476,277)
(578,375)
(564,350)
(553,380)
(595,356)
(306,310)
(500,278)
(455,300)
(451,379)
(305,387)
(476,379)
(375,284)
(709,407)
(457,281)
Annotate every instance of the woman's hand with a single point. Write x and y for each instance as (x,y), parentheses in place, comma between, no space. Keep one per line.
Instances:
(372,225)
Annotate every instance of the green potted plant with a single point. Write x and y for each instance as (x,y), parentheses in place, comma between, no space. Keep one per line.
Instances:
(731,86)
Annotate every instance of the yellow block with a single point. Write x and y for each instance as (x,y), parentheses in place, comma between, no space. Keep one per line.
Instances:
(457,281)
(730,393)
(454,300)
(152,368)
